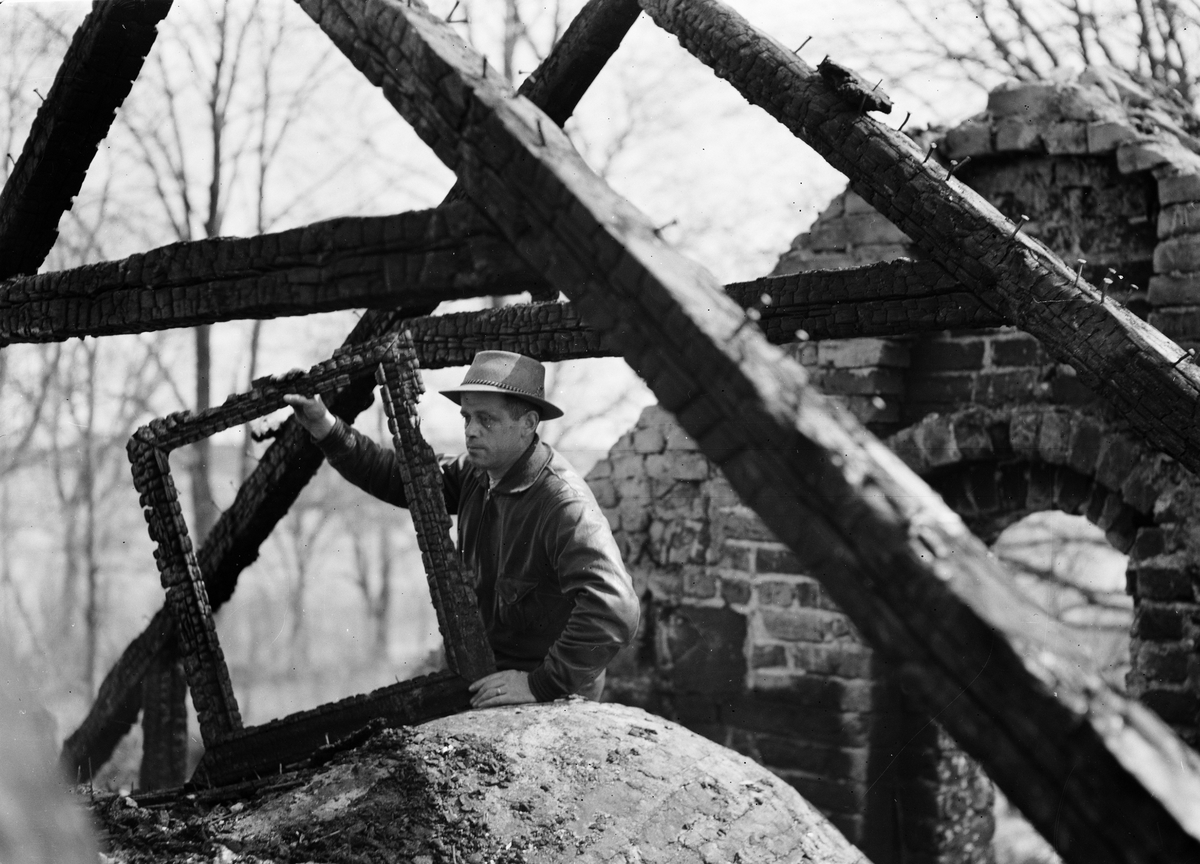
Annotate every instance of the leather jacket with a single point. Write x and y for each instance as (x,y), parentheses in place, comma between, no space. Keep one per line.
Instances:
(555,597)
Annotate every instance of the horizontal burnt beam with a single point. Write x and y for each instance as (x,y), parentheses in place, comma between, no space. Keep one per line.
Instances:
(101,63)
(421,257)
(889,300)
(274,746)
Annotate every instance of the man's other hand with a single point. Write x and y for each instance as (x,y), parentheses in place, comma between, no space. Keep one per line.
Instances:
(312,414)
(509,687)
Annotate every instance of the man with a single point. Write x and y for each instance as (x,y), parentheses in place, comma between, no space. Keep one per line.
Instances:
(556,601)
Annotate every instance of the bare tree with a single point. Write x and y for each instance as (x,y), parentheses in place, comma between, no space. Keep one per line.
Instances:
(1150,39)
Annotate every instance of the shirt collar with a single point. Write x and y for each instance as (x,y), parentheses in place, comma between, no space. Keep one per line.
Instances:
(526,470)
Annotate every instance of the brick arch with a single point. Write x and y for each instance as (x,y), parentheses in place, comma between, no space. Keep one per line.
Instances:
(993,466)
(990,496)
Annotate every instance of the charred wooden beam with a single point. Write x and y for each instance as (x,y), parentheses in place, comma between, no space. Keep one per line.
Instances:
(464,637)
(1112,780)
(423,258)
(292,459)
(594,35)
(104,58)
(891,299)
(416,258)
(164,722)
(1114,353)
(272,747)
(187,597)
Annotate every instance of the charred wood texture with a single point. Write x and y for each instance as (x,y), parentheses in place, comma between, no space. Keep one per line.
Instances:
(272,747)
(1115,353)
(292,459)
(889,299)
(468,652)
(104,58)
(435,255)
(386,261)
(203,661)
(164,723)
(187,597)
(1101,775)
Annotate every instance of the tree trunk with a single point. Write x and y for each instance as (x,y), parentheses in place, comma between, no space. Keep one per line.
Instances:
(204,508)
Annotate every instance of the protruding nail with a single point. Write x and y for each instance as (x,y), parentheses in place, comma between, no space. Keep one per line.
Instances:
(661,228)
(929,152)
(453,9)
(802,44)
(954,166)
(905,123)
(1024,219)
(1078,272)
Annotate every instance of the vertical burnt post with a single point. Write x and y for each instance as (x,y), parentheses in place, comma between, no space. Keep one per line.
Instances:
(164,722)
(467,649)
(187,599)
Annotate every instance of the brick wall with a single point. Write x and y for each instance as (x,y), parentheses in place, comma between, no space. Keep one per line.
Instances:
(742,646)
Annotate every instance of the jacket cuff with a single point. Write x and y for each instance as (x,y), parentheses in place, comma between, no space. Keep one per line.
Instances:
(541,686)
(337,442)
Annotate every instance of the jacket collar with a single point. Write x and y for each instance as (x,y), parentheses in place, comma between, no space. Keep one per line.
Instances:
(526,470)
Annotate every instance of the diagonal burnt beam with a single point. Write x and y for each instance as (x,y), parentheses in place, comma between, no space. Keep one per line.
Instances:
(420,258)
(1114,353)
(292,459)
(417,258)
(1112,780)
(104,58)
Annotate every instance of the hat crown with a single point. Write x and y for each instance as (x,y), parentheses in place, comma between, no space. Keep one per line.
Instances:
(514,373)
(507,373)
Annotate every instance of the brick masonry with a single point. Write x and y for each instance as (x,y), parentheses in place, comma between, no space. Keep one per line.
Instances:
(741,645)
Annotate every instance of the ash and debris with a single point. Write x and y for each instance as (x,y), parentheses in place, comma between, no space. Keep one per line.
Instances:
(418,803)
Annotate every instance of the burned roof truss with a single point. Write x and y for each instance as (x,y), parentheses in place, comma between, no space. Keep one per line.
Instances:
(1109,778)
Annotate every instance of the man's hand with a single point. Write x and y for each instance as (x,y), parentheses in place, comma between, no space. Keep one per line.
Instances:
(509,687)
(311,414)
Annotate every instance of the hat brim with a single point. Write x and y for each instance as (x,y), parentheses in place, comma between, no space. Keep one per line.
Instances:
(549,411)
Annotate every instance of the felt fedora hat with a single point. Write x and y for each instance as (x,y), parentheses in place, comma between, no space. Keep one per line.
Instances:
(508,373)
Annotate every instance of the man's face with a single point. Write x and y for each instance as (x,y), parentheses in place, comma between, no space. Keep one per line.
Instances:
(494,439)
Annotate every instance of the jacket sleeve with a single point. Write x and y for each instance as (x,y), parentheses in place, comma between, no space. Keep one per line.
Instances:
(376,470)
(605,615)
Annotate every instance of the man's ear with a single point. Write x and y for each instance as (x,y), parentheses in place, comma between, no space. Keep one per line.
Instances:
(531,420)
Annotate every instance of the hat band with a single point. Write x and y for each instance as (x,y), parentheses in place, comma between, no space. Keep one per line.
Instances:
(536,394)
